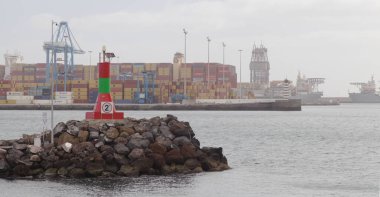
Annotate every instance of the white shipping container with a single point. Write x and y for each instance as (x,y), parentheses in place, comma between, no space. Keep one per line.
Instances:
(20,98)
(41,102)
(63,93)
(24,102)
(15,93)
(63,102)
(63,97)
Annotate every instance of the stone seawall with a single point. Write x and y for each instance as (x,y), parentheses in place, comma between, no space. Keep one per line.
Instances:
(130,147)
(279,105)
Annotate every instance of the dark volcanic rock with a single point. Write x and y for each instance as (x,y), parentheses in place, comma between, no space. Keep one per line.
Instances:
(121,149)
(66,137)
(76,173)
(182,140)
(174,156)
(19,146)
(94,169)
(3,166)
(59,129)
(112,133)
(143,165)
(158,148)
(83,135)
(136,154)
(137,141)
(165,131)
(130,147)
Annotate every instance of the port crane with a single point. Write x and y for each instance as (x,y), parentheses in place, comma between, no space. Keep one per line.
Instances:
(148,96)
(63,42)
(149,86)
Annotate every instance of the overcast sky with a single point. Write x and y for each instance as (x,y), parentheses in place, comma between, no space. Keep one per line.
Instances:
(335,39)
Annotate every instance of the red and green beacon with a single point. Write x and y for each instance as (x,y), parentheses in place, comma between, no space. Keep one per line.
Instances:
(104,107)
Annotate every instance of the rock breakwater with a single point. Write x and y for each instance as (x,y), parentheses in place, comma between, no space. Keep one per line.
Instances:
(131,147)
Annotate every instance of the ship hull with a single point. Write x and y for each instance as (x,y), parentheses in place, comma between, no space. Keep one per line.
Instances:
(364,98)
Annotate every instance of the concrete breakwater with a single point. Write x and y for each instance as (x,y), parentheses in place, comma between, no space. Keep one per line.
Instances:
(278,105)
(129,147)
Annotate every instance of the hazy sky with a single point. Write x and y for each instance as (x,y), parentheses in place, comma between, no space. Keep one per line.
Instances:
(335,39)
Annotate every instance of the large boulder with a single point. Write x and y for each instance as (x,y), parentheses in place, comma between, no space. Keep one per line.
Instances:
(35,158)
(112,133)
(20,146)
(155,121)
(94,169)
(83,125)
(13,156)
(188,151)
(158,160)
(66,137)
(127,130)
(181,129)
(72,128)
(93,135)
(192,164)
(128,170)
(21,170)
(3,166)
(80,148)
(67,146)
(164,141)
(136,154)
(174,156)
(76,173)
(51,172)
(121,149)
(158,148)
(83,135)
(137,141)
(35,149)
(148,135)
(182,140)
(165,131)
(120,159)
(59,129)
(143,165)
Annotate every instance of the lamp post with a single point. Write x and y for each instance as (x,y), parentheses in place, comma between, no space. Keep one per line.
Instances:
(90,63)
(52,86)
(224,46)
(240,74)
(208,61)
(185,81)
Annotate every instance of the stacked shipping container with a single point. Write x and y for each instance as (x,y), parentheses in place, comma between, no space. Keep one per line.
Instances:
(125,77)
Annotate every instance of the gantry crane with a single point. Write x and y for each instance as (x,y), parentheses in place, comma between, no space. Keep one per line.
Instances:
(63,42)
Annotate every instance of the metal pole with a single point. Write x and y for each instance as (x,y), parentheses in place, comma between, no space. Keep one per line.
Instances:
(185,81)
(52,88)
(90,63)
(208,61)
(240,74)
(223,70)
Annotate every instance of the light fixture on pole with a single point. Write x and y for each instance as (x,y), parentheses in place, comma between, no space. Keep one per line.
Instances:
(185,81)
(240,74)
(208,61)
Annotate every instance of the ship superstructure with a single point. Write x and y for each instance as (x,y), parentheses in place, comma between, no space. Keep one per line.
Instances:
(367,92)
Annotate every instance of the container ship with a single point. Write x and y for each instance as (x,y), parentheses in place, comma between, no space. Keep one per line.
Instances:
(367,92)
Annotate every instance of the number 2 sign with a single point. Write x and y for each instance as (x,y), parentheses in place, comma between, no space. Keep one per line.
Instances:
(107,107)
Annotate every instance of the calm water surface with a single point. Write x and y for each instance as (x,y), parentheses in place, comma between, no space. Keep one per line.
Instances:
(320,151)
